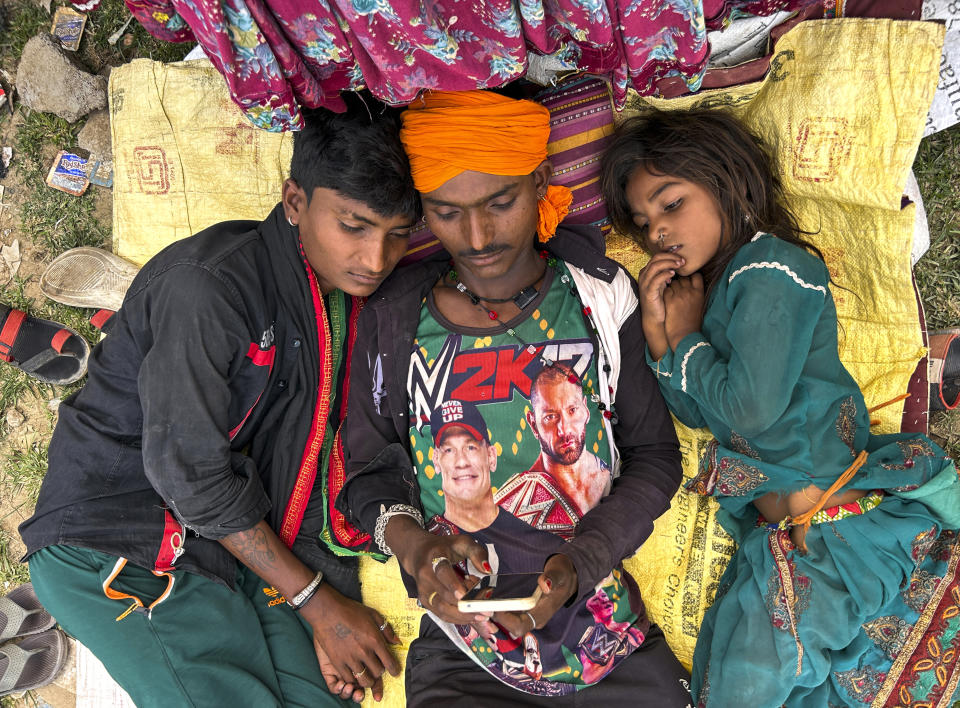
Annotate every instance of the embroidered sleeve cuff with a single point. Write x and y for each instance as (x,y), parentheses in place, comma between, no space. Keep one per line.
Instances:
(684,359)
(661,369)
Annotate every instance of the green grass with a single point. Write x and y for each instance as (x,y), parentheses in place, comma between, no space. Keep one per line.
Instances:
(135,43)
(23,472)
(937,168)
(53,220)
(27,18)
(938,273)
(19,24)
(11,571)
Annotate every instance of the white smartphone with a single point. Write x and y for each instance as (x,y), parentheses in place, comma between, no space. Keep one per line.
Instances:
(503,592)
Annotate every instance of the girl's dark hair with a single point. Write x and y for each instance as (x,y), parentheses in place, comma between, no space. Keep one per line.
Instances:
(357,153)
(714,150)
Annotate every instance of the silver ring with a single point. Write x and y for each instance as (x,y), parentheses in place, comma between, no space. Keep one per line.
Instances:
(384,625)
(532,620)
(437,561)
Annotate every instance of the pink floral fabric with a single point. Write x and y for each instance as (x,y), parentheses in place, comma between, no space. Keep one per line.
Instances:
(279,55)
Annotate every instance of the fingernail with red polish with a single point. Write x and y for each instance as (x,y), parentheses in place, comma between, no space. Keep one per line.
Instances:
(549,584)
(486,567)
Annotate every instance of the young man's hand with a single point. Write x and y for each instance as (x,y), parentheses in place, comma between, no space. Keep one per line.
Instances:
(558,583)
(351,647)
(430,559)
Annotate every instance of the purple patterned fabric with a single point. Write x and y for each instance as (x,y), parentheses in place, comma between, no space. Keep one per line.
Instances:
(278,55)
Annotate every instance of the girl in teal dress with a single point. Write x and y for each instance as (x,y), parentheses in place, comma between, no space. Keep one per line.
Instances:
(842,591)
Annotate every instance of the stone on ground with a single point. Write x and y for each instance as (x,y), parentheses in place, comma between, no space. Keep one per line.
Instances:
(49,80)
(95,136)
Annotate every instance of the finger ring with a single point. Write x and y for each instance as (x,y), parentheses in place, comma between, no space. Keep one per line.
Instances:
(532,620)
(361,673)
(431,598)
(384,625)
(437,561)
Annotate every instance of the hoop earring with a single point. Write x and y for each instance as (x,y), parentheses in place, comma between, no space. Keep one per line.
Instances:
(290,221)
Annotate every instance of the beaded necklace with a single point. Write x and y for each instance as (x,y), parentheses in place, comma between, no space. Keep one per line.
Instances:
(552,262)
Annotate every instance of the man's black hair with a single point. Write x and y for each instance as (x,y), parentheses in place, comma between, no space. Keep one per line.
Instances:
(358,154)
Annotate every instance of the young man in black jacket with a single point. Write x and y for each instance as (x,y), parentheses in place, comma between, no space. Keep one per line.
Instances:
(208,432)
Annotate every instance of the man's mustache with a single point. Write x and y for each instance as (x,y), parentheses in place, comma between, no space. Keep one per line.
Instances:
(485,251)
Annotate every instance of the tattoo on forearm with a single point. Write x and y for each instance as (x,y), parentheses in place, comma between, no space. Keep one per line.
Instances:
(253,548)
(342,631)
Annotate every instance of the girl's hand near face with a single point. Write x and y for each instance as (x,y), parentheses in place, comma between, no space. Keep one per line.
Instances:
(653,281)
(683,302)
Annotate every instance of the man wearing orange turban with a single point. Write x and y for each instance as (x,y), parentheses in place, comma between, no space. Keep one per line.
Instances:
(446,133)
(470,331)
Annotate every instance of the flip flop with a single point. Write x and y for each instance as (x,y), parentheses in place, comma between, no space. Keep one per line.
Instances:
(88,277)
(46,350)
(945,369)
(32,663)
(21,614)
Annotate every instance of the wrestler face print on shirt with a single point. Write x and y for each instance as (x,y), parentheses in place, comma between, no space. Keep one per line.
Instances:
(559,419)
(509,447)
(348,245)
(683,213)
(487,222)
(464,464)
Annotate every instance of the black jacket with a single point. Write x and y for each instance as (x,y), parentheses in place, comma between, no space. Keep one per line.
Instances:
(380,470)
(199,403)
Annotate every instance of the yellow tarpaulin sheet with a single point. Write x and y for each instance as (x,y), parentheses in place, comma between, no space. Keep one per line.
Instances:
(184,156)
(844,103)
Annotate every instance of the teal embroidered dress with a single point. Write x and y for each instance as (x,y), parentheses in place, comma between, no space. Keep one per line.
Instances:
(821,628)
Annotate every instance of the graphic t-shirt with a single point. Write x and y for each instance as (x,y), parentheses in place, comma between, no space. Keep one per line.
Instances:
(521,454)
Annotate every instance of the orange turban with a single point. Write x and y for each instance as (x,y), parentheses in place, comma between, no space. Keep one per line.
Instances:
(448,132)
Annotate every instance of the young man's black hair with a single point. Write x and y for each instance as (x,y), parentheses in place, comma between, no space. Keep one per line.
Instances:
(357,153)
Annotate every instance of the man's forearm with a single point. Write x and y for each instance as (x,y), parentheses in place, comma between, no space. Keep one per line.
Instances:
(262,551)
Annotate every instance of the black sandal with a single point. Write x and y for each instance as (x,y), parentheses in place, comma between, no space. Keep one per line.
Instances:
(46,350)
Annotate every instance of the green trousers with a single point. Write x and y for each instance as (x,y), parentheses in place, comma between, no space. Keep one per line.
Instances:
(203,646)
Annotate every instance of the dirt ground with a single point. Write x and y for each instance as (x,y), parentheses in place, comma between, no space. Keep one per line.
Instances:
(30,423)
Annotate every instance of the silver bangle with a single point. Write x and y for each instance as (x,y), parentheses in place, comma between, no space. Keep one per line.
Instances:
(385,516)
(303,597)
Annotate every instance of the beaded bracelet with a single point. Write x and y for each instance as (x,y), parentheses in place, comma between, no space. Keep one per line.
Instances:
(386,515)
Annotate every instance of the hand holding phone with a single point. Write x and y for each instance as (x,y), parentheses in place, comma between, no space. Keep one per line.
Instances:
(503,592)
